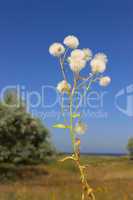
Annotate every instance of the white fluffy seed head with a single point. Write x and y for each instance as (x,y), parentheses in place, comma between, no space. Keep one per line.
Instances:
(71,41)
(80,128)
(87,54)
(97,66)
(98,63)
(63,87)
(56,49)
(105,81)
(76,64)
(78,59)
(102,57)
(77,53)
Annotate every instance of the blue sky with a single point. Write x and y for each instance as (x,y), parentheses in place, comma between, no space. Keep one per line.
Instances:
(28,27)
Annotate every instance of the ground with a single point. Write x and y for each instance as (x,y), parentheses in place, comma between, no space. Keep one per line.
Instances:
(111,178)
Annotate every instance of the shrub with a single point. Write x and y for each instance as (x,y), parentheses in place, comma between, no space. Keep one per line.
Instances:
(23,138)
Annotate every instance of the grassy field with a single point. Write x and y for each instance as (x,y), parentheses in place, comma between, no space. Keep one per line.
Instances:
(111,177)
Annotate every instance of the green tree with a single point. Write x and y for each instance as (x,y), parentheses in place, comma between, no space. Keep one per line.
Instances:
(23,138)
(130,148)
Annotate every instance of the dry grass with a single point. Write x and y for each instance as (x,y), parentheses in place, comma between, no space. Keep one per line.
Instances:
(112,179)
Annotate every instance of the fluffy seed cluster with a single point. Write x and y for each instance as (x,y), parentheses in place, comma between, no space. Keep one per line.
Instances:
(63,87)
(98,63)
(80,128)
(79,58)
(87,54)
(71,42)
(56,49)
(105,81)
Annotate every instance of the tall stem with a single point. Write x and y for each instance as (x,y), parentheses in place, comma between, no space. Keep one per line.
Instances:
(71,114)
(71,123)
(62,61)
(62,69)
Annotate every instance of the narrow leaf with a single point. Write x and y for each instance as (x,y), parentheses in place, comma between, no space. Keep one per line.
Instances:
(60,126)
(66,158)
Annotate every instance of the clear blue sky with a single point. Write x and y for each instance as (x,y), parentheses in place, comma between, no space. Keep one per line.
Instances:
(28,27)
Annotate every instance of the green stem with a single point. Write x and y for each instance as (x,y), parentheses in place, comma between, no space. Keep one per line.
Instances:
(71,114)
(83,95)
(71,123)
(62,109)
